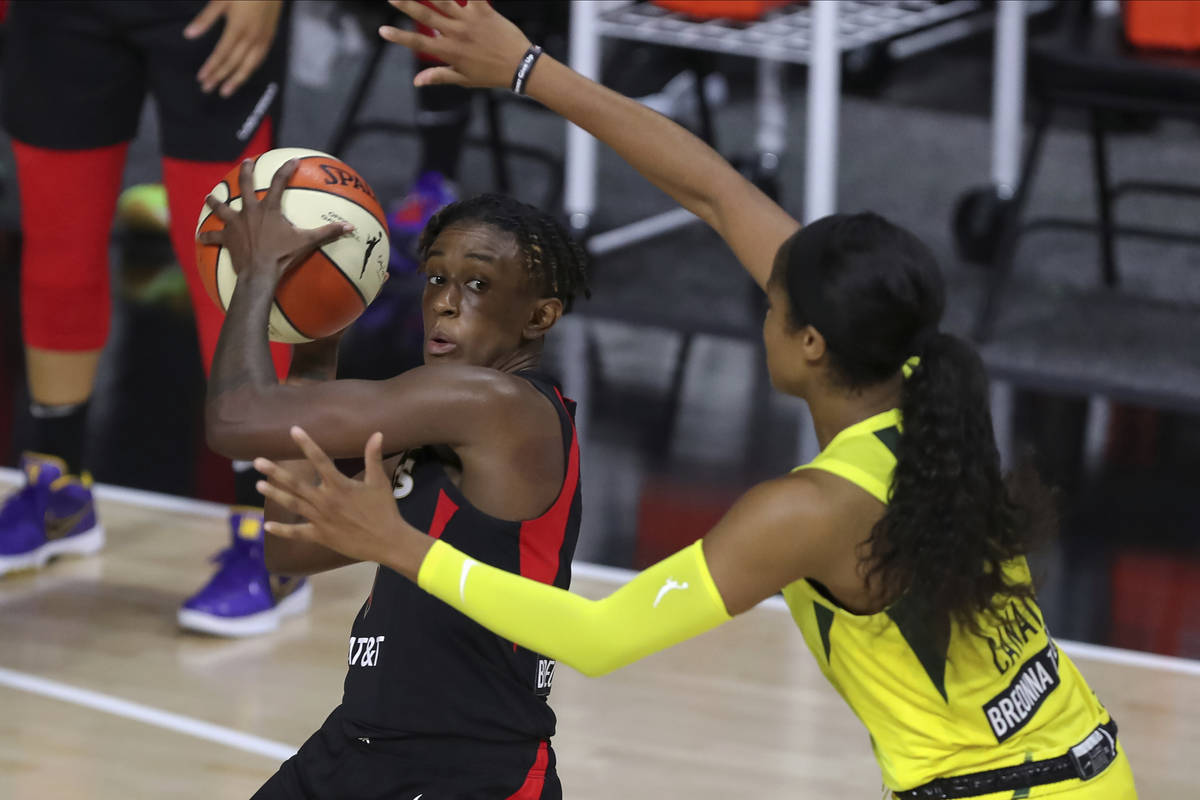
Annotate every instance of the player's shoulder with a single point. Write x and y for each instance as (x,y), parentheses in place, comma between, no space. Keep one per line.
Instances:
(796,495)
(797,507)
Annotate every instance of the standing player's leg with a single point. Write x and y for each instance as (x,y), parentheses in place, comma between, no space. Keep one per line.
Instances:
(70,125)
(442,117)
(204,135)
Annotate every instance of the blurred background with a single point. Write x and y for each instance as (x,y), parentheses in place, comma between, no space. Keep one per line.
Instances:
(1077,270)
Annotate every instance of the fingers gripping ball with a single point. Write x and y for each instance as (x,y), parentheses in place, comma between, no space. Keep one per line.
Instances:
(332,287)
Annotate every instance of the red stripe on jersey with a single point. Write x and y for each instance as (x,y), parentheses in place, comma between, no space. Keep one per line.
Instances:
(542,538)
(535,779)
(445,509)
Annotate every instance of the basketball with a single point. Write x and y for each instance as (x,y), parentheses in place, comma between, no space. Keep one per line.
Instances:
(332,287)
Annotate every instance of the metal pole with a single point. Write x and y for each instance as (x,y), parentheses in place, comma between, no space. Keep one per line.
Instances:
(820,155)
(771,137)
(575,370)
(824,84)
(1008,95)
(579,194)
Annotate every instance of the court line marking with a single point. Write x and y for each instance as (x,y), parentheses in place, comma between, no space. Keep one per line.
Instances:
(618,575)
(108,704)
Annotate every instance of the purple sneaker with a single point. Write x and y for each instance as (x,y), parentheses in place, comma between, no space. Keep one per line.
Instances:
(431,192)
(243,599)
(51,515)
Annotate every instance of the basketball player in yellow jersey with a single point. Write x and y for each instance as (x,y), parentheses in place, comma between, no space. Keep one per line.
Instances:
(900,549)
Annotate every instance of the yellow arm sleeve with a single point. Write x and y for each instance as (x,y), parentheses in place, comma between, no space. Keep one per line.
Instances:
(669,602)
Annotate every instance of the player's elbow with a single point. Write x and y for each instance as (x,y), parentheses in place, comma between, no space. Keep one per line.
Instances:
(218,438)
(228,429)
(610,652)
(225,438)
(598,669)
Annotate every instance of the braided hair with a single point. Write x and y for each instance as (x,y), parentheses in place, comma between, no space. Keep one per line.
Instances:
(556,263)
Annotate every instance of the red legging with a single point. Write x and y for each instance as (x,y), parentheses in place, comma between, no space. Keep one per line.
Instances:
(68,199)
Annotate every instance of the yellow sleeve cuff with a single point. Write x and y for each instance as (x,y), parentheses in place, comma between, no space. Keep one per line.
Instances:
(440,561)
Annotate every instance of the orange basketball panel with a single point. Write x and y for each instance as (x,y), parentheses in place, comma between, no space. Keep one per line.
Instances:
(317,298)
(336,177)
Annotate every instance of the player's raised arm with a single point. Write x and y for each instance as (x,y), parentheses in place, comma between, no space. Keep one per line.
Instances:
(248,412)
(484,49)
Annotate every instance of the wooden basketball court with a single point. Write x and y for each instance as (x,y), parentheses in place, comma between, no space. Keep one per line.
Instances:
(103,697)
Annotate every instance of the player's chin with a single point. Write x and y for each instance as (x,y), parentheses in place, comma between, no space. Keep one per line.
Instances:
(451,357)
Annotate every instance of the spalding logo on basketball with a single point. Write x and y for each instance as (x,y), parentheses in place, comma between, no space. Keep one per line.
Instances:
(331,289)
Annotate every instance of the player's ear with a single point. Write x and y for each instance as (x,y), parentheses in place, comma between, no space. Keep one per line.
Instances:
(546,311)
(812,343)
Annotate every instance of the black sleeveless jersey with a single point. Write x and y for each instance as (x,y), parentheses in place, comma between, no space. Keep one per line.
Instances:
(417,667)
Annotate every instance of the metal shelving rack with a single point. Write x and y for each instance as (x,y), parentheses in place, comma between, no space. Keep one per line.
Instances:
(784,34)
(815,34)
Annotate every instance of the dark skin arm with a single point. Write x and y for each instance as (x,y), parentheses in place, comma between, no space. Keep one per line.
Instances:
(313,362)
(490,419)
(248,412)
(483,49)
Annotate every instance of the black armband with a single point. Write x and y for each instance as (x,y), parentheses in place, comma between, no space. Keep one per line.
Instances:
(521,76)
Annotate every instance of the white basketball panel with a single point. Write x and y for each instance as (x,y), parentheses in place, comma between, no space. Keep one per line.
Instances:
(226,277)
(269,163)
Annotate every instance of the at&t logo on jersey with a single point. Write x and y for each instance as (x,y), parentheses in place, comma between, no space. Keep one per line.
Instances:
(364,650)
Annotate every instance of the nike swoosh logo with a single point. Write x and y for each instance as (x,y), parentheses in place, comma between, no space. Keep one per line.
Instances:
(462,581)
(57,527)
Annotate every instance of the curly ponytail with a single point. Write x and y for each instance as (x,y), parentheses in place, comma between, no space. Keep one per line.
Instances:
(952,521)
(875,293)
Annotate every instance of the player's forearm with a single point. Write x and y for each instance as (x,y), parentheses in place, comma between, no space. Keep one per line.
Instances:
(293,556)
(665,153)
(672,601)
(242,368)
(296,558)
(313,362)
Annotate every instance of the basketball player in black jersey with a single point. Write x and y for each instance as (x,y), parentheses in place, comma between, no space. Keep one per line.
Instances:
(484,456)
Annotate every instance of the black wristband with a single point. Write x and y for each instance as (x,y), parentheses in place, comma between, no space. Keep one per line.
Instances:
(521,76)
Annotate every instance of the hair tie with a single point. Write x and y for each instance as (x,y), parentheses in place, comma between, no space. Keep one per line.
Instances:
(908,366)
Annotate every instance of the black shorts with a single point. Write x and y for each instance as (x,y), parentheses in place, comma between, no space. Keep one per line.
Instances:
(76,73)
(332,765)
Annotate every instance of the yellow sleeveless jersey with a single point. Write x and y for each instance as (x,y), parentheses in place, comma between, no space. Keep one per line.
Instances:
(938,700)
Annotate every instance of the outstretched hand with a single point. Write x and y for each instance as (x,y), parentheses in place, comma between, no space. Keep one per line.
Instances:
(259,238)
(244,43)
(480,47)
(357,518)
